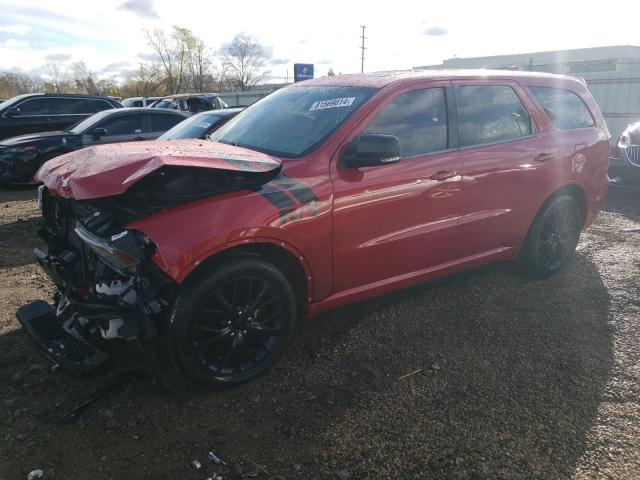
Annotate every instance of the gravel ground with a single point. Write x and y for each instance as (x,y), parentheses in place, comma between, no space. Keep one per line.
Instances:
(515,379)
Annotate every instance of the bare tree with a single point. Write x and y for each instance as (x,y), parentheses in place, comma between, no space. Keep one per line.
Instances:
(60,79)
(17,83)
(199,64)
(174,52)
(145,82)
(83,78)
(246,60)
(331,73)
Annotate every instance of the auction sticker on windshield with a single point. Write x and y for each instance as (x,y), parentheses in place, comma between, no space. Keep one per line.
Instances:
(333,103)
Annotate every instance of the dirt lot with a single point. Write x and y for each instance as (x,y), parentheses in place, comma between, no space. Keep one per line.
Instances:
(519,379)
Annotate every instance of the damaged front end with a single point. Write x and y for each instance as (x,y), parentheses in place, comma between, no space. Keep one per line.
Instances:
(107,286)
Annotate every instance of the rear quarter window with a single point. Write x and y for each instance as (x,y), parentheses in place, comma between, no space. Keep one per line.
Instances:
(565,109)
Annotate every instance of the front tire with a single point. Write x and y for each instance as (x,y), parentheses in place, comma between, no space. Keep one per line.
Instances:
(234,323)
(553,237)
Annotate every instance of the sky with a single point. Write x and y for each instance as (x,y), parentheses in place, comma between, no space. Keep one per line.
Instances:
(109,35)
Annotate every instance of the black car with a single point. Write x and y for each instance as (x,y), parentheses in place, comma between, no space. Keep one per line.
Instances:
(200,125)
(20,157)
(191,102)
(40,112)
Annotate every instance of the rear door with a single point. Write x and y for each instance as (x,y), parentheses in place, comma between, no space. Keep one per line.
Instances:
(67,111)
(397,219)
(502,176)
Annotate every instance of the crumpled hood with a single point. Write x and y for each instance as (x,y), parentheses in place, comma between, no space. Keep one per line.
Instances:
(106,170)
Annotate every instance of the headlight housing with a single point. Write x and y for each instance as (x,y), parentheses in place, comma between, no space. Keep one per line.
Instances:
(625,139)
(123,252)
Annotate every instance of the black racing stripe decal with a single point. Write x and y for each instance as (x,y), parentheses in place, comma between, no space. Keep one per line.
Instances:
(299,190)
(278,199)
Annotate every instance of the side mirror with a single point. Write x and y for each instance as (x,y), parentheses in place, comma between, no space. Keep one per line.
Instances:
(11,112)
(372,149)
(98,132)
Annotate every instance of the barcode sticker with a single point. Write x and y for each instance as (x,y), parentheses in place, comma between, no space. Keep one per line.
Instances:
(333,103)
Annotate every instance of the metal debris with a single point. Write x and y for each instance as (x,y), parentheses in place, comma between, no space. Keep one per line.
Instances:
(216,459)
(37,473)
(196,464)
(631,230)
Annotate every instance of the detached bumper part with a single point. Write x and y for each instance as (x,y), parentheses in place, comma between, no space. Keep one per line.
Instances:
(74,354)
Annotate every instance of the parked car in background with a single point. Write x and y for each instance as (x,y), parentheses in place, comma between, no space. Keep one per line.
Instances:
(135,102)
(326,192)
(626,164)
(20,157)
(200,125)
(191,102)
(40,112)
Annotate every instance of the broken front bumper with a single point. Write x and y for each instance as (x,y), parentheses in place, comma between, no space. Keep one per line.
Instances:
(72,353)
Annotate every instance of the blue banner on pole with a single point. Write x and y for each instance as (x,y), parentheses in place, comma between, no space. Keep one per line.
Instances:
(302,71)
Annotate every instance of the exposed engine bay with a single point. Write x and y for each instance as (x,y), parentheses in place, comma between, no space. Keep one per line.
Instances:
(107,285)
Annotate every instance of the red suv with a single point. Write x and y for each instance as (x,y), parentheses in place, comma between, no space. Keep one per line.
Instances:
(327,192)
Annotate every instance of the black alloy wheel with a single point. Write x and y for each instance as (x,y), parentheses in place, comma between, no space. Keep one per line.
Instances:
(553,237)
(233,325)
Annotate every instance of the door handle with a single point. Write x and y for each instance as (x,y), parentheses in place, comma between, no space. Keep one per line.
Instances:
(139,138)
(443,175)
(543,157)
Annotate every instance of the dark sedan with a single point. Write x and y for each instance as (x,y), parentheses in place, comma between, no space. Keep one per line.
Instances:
(40,112)
(200,125)
(20,157)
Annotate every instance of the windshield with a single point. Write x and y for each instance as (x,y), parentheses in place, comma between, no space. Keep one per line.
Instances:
(194,127)
(88,122)
(293,121)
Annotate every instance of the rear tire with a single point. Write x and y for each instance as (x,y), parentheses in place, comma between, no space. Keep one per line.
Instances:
(233,324)
(553,237)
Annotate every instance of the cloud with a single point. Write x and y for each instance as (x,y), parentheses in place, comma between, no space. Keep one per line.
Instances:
(435,31)
(148,57)
(115,66)
(14,43)
(58,57)
(324,62)
(279,61)
(142,8)
(17,29)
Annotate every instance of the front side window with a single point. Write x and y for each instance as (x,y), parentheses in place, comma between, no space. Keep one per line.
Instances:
(564,108)
(35,106)
(123,125)
(489,114)
(418,119)
(293,121)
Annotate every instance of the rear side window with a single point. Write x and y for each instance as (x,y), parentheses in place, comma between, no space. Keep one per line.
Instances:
(162,123)
(565,109)
(489,114)
(94,105)
(124,125)
(418,119)
(69,106)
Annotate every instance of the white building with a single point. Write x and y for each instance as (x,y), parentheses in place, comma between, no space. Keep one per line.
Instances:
(612,74)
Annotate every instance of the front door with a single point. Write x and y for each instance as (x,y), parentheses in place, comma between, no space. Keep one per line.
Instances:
(122,128)
(400,218)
